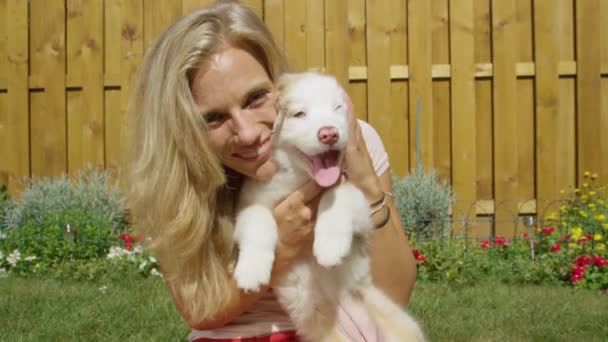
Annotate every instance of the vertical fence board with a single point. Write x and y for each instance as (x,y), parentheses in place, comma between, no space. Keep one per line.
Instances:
(591,152)
(464,130)
(48,108)
(358,54)
(604,88)
(295,34)
(14,119)
(420,80)
(336,40)
(274,18)
(547,98)
(3,48)
(525,99)
(315,35)
(256,5)
(378,66)
(506,152)
(441,91)
(189,6)
(566,122)
(158,16)
(397,140)
(85,48)
(483,101)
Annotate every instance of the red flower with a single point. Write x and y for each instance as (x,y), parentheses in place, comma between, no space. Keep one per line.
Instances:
(576,277)
(547,230)
(556,247)
(599,261)
(578,273)
(418,255)
(501,241)
(582,260)
(566,237)
(129,246)
(485,244)
(524,235)
(126,237)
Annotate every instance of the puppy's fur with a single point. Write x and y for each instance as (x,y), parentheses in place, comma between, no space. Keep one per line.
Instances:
(317,289)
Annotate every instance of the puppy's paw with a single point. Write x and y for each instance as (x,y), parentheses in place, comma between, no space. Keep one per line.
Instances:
(330,249)
(251,272)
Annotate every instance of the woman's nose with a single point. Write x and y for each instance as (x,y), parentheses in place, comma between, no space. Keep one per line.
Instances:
(245,128)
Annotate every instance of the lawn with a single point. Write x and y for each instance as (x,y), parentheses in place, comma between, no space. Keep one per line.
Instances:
(140,310)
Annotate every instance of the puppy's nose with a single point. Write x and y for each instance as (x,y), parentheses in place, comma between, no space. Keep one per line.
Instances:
(328,135)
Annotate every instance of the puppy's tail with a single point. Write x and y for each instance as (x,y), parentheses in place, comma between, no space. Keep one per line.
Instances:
(396,324)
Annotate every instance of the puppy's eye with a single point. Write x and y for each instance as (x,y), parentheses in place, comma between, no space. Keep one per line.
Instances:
(299,114)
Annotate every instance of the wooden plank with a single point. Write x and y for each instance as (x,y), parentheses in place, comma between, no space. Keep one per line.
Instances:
(420,83)
(463,116)
(379,82)
(547,99)
(358,55)
(315,35)
(85,117)
(483,100)
(256,5)
(48,108)
(505,127)
(158,16)
(336,48)
(396,138)
(525,100)
(440,52)
(3,48)
(274,19)
(604,90)
(15,108)
(604,38)
(189,6)
(295,34)
(591,152)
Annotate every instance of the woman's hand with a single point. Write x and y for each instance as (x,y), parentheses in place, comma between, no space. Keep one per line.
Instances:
(358,167)
(295,217)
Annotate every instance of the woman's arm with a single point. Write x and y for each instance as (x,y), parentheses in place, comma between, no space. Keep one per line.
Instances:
(295,221)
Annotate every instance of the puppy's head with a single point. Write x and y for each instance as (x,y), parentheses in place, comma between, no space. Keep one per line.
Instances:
(313,124)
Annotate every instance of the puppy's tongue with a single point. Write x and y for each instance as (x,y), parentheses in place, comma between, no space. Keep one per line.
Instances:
(325,168)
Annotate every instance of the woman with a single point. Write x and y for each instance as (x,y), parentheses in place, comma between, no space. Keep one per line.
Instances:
(201,117)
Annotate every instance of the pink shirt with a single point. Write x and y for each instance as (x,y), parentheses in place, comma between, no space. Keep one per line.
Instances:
(266,316)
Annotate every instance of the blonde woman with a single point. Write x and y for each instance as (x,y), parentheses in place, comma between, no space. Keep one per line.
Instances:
(201,116)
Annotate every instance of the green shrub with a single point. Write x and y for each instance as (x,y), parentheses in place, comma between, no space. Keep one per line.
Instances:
(5,203)
(423,203)
(90,191)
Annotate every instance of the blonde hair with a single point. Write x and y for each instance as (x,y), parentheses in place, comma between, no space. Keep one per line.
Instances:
(178,192)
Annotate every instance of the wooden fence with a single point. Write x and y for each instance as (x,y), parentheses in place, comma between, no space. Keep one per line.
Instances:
(513,93)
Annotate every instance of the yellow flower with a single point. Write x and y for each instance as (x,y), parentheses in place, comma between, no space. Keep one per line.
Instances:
(597,237)
(594,176)
(562,191)
(585,185)
(563,208)
(600,202)
(573,245)
(605,225)
(576,233)
(600,217)
(582,213)
(600,247)
(551,216)
(591,193)
(587,174)
(591,205)
(584,198)
(576,191)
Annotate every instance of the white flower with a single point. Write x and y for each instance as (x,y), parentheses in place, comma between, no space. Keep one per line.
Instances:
(103,289)
(117,252)
(30,258)
(142,266)
(153,259)
(155,272)
(138,249)
(14,257)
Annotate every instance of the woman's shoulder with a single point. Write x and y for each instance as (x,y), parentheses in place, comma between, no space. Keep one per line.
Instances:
(375,147)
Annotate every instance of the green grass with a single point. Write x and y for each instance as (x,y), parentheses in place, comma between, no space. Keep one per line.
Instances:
(140,310)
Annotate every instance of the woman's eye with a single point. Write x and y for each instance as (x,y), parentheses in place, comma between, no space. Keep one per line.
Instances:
(257,98)
(338,107)
(214,118)
(299,115)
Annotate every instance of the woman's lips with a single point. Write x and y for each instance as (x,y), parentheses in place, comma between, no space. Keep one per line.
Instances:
(259,153)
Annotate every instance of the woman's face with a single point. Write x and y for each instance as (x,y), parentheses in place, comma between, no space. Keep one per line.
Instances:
(236,98)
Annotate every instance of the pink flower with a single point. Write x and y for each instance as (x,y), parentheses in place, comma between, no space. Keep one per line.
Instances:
(418,255)
(556,247)
(485,244)
(501,241)
(547,230)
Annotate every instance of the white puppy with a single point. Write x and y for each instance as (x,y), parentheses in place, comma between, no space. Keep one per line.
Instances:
(322,293)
